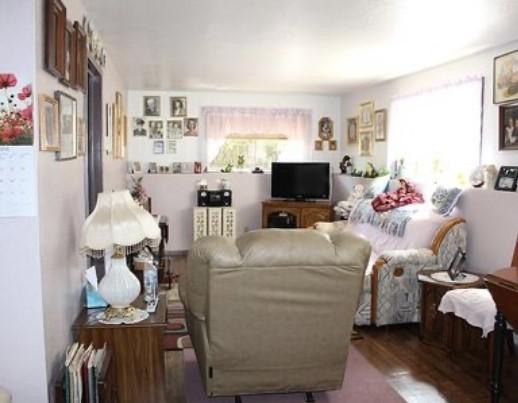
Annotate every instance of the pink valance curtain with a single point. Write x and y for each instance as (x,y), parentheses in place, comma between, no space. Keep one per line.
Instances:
(295,124)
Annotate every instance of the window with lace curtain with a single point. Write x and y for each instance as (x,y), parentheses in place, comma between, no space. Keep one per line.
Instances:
(255,137)
(437,132)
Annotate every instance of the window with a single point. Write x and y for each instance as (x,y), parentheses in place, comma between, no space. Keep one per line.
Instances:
(438,132)
(255,137)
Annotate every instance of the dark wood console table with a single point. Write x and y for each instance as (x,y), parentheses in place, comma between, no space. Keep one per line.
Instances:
(137,352)
(297,214)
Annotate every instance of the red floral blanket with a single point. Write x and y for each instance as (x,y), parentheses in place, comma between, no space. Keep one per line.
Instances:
(406,194)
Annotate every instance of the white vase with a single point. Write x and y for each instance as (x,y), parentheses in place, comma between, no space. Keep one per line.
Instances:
(119,287)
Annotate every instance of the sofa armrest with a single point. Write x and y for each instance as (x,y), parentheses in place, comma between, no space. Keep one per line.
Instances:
(5,397)
(395,289)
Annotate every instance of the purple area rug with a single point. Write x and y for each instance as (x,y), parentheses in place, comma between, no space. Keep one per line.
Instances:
(362,384)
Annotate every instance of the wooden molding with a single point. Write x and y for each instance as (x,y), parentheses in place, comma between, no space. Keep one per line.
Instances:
(442,231)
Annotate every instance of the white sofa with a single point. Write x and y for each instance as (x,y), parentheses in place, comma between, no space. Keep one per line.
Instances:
(391,292)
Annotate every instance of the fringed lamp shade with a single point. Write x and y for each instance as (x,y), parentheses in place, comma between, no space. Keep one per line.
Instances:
(118,221)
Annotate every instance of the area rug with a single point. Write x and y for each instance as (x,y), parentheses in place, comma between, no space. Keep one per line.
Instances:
(362,384)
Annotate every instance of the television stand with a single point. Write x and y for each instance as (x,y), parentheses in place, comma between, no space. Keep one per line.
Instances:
(295,214)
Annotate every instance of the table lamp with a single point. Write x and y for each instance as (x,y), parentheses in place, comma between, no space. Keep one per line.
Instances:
(118,222)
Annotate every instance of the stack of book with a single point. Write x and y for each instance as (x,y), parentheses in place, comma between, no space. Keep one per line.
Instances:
(83,365)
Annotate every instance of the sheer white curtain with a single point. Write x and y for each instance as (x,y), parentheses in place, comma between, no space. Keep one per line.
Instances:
(294,124)
(438,132)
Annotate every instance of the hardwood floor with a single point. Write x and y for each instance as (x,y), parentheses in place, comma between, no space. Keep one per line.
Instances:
(420,373)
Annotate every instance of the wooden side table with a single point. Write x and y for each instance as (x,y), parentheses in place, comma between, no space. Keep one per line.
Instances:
(137,352)
(432,321)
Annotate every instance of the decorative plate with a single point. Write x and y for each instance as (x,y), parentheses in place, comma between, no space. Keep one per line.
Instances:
(124,317)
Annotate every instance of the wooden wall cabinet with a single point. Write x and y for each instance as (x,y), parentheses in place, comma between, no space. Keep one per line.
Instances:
(300,214)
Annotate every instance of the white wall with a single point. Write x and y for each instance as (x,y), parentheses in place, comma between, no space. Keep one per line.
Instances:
(22,351)
(382,94)
(192,149)
(62,207)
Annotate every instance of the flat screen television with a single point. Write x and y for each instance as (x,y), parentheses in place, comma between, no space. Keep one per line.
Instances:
(300,180)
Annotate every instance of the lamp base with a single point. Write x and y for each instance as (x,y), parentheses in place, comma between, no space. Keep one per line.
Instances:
(119,287)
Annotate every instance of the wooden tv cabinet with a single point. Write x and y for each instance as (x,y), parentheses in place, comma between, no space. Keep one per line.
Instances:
(300,214)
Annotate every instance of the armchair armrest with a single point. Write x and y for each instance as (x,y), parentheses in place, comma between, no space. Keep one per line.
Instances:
(395,290)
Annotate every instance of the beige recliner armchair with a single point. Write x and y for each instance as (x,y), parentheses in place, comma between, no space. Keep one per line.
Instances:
(273,311)
(5,396)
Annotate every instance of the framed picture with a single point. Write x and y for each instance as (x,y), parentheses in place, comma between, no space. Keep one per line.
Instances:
(152,168)
(352,130)
(69,77)
(108,140)
(81,137)
(365,143)
(49,123)
(175,129)
(191,127)
(456,265)
(158,147)
(177,168)
(136,167)
(325,129)
(151,106)
(380,125)
(366,115)
(156,129)
(171,147)
(178,107)
(81,60)
(505,78)
(139,129)
(197,167)
(319,145)
(187,167)
(508,127)
(332,145)
(56,24)
(507,178)
(67,111)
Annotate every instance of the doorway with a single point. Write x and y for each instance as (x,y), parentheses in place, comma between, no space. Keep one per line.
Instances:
(95,135)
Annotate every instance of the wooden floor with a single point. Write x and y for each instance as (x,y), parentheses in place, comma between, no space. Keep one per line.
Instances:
(420,373)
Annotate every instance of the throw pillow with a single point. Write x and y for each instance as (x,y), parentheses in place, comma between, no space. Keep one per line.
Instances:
(377,186)
(444,200)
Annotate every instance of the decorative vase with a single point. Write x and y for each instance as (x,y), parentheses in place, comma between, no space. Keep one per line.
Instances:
(119,287)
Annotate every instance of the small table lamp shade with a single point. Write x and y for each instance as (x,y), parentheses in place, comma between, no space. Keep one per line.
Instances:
(118,220)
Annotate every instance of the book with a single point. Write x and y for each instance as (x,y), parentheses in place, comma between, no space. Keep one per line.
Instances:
(69,356)
(84,373)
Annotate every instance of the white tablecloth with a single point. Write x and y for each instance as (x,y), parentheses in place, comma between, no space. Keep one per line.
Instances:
(474,305)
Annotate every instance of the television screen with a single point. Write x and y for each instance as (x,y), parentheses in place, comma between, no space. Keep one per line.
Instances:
(300,180)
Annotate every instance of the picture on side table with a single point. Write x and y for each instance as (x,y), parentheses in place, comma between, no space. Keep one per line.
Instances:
(152,106)
(175,129)
(178,107)
(352,130)
(49,124)
(138,127)
(380,125)
(365,143)
(505,78)
(156,129)
(508,128)
(191,127)
(507,179)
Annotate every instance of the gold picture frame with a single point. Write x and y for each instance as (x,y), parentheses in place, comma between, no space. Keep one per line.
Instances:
(333,146)
(49,123)
(380,125)
(81,137)
(319,145)
(352,130)
(365,143)
(505,81)
(366,115)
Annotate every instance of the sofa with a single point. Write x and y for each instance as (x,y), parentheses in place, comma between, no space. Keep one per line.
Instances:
(273,310)
(391,292)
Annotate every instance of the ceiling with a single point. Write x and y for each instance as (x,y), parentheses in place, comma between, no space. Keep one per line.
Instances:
(303,46)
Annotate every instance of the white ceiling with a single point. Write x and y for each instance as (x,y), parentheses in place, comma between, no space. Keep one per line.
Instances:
(307,46)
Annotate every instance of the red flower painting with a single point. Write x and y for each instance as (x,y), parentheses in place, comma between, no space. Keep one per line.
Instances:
(16,124)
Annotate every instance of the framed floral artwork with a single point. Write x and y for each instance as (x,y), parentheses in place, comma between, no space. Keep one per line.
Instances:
(365,145)
(380,125)
(352,130)
(67,110)
(505,78)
